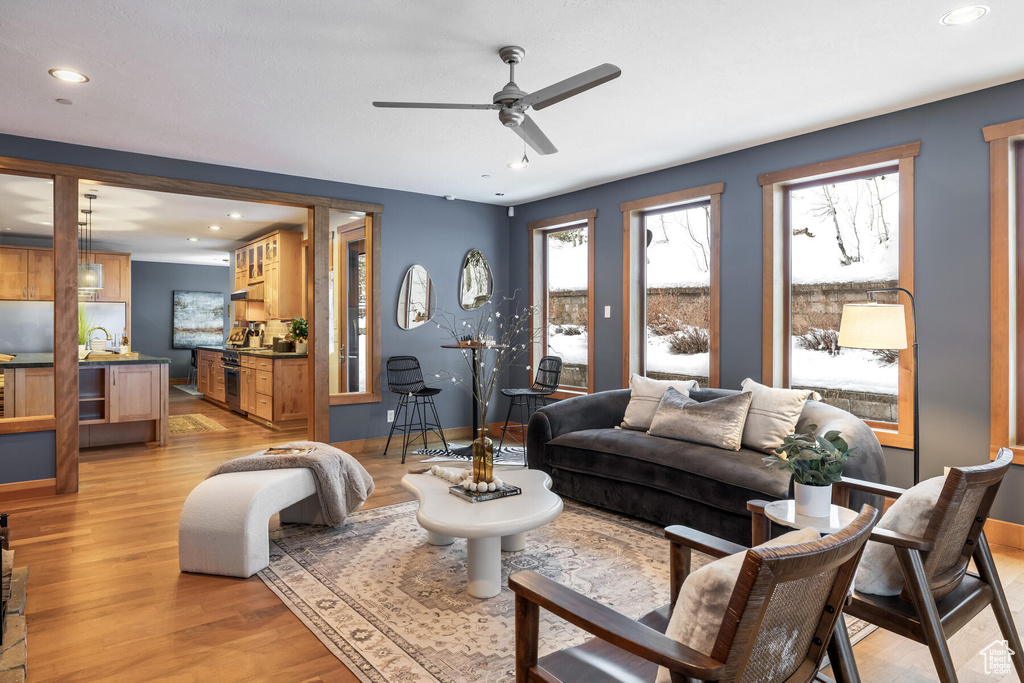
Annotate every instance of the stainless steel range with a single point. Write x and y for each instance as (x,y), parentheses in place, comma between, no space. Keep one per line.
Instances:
(231,365)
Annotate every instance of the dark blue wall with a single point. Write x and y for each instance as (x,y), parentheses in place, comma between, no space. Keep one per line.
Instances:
(153,286)
(27,457)
(415,228)
(951,262)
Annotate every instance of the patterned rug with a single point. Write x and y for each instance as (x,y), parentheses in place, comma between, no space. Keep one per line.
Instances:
(507,455)
(193,423)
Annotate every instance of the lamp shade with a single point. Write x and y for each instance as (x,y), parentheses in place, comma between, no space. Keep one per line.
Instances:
(873,326)
(90,276)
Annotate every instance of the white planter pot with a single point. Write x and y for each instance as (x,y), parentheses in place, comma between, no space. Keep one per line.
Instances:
(301,347)
(813,501)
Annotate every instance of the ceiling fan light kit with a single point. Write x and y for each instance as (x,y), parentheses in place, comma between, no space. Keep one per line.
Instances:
(511,102)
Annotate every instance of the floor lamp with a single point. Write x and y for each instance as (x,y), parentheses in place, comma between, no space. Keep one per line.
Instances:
(872,325)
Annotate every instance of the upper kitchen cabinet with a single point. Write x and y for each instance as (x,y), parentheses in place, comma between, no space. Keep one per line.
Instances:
(275,260)
(117,281)
(26,274)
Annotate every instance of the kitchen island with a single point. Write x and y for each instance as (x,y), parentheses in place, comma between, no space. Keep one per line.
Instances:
(269,387)
(121,399)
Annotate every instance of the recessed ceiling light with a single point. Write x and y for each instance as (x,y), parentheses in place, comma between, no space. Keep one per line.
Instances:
(69,76)
(214,227)
(62,100)
(485,176)
(235,215)
(964,15)
(499,194)
(193,239)
(45,223)
(8,229)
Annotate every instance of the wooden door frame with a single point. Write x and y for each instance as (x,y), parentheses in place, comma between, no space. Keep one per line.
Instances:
(65,311)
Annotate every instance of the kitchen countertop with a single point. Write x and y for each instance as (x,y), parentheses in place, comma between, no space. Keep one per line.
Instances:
(262,353)
(45,360)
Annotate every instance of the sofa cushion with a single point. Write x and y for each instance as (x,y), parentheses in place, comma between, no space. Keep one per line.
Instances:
(690,470)
(718,422)
(773,414)
(644,397)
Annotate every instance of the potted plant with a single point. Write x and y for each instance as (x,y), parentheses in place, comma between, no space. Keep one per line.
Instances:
(300,334)
(84,325)
(816,462)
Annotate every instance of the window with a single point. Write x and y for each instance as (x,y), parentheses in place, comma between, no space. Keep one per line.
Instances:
(832,232)
(1006,171)
(670,246)
(562,290)
(352,308)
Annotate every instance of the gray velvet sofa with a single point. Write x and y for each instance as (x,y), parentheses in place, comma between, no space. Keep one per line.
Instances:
(675,482)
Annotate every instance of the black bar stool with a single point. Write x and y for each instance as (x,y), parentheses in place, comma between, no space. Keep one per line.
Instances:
(549,371)
(193,369)
(406,379)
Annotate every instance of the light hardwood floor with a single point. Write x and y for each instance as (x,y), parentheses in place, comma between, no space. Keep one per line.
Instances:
(106,600)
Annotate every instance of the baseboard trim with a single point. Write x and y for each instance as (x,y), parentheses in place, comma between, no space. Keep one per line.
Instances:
(36,488)
(178,380)
(1003,533)
(376,444)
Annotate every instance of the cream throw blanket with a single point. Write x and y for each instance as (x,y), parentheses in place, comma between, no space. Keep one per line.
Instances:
(342,484)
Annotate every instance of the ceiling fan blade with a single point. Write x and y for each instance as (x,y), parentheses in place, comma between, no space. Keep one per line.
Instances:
(433,105)
(534,136)
(573,85)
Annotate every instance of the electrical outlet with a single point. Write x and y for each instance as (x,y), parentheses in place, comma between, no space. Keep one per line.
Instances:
(391,416)
(607,311)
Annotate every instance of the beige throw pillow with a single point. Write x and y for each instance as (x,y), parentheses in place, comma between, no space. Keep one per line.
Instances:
(773,414)
(718,422)
(704,598)
(644,397)
(879,572)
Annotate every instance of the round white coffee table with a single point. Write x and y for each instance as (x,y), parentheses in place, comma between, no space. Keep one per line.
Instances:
(784,512)
(489,526)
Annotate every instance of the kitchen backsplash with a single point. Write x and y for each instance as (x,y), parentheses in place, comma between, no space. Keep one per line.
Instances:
(277,328)
(27,326)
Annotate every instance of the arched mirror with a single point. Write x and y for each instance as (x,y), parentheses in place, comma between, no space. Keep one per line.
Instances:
(415,298)
(475,282)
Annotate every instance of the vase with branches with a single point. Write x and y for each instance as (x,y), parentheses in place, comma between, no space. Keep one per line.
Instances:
(496,342)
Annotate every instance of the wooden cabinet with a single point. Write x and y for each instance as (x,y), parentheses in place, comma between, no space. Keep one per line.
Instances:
(28,392)
(134,393)
(27,275)
(13,274)
(217,391)
(291,389)
(265,382)
(276,261)
(40,274)
(247,391)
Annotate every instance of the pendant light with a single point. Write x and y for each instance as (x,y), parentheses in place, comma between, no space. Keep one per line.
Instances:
(90,274)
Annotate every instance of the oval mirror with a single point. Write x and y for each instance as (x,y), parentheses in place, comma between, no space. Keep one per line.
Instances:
(415,298)
(475,282)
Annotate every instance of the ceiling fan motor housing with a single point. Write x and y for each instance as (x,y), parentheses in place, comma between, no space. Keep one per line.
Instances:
(510,117)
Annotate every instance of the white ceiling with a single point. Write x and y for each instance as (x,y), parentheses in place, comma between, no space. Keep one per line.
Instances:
(151,226)
(286,86)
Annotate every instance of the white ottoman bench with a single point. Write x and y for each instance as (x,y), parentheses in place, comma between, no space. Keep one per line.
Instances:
(223,527)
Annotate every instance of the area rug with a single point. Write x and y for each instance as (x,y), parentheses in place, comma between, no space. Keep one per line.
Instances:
(188,389)
(506,455)
(193,423)
(393,608)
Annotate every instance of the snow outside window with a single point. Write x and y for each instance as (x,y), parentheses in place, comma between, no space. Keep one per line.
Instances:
(677,289)
(566,256)
(844,239)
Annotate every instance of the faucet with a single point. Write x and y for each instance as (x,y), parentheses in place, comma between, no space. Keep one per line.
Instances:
(89,333)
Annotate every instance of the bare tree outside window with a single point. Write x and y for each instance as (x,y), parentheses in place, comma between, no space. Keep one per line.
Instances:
(677,291)
(844,238)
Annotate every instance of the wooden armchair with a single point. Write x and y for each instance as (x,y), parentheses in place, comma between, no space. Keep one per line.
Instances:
(781,615)
(940,596)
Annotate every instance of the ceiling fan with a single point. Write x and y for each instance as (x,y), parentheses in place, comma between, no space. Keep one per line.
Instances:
(512,103)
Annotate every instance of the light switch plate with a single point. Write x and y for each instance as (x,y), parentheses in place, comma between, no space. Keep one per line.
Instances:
(391,416)
(607,311)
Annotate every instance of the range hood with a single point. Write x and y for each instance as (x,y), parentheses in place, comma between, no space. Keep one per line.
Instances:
(254,293)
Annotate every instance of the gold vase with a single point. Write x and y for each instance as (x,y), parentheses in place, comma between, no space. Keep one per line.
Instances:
(483,459)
